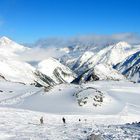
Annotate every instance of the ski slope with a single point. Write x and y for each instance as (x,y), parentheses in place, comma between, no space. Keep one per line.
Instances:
(20,124)
(22,106)
(13,93)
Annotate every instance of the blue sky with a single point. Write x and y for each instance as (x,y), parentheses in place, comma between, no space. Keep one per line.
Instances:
(29,20)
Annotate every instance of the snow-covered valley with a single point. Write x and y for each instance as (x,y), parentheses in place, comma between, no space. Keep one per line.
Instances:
(120,106)
(117,97)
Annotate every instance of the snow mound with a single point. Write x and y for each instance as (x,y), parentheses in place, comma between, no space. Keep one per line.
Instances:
(90,97)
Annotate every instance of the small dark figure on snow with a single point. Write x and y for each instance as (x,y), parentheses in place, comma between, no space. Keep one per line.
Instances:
(64,120)
(41,120)
(79,120)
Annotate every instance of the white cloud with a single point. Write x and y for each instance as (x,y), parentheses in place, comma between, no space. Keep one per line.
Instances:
(103,39)
(84,39)
(45,48)
(38,54)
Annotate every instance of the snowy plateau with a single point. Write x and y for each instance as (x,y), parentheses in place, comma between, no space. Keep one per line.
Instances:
(96,91)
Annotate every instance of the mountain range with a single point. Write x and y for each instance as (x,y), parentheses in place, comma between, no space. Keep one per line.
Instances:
(118,61)
(47,73)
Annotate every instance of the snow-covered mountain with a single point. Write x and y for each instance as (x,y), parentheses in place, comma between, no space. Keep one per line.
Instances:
(130,67)
(76,51)
(99,72)
(82,60)
(89,66)
(9,45)
(10,68)
(22,72)
(14,70)
(56,71)
(110,55)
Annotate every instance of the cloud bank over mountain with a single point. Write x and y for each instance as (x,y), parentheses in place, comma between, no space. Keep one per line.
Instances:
(49,47)
(131,38)
(38,54)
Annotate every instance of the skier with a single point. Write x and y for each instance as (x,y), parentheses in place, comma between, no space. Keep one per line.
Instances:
(79,120)
(64,120)
(41,120)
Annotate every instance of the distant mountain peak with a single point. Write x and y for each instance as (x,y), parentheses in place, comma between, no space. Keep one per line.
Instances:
(5,40)
(122,44)
(6,43)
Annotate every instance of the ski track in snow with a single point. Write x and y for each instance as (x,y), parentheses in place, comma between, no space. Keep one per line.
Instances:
(18,98)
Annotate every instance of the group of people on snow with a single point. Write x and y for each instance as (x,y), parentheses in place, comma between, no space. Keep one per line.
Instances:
(90,137)
(63,120)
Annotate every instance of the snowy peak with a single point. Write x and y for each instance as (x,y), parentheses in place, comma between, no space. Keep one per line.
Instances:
(47,66)
(117,53)
(122,44)
(110,55)
(86,55)
(65,49)
(82,59)
(56,71)
(6,43)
